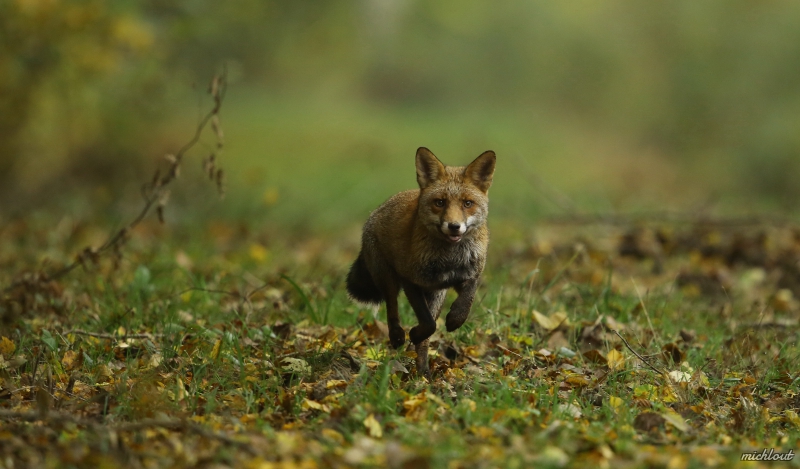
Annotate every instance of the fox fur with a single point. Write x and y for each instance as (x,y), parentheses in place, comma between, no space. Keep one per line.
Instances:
(423,242)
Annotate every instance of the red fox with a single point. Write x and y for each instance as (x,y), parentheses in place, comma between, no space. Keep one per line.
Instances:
(424,242)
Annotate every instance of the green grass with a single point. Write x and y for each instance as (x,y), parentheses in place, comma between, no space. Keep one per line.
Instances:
(246,343)
(225,335)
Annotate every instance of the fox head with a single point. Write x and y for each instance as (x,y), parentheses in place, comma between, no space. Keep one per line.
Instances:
(454,200)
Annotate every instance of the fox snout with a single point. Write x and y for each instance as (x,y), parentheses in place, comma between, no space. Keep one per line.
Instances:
(453,230)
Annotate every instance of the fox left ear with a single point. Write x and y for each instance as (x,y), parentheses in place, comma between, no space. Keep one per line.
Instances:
(481,171)
(429,168)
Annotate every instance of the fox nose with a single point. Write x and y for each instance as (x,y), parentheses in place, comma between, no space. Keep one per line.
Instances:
(454,227)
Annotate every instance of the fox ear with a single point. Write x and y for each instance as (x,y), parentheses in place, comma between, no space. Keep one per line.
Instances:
(481,171)
(429,168)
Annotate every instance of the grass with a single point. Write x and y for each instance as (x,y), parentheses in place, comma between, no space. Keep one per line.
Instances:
(251,342)
(225,337)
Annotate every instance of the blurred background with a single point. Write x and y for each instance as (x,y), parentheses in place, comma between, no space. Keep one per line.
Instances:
(619,106)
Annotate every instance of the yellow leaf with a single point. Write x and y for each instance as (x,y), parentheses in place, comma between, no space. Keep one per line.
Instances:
(216,349)
(675,420)
(333,435)
(482,432)
(414,402)
(374,353)
(549,323)
(792,417)
(438,400)
(577,380)
(616,361)
(335,383)
(7,347)
(616,403)
(373,427)
(72,360)
(258,252)
(309,404)
(470,404)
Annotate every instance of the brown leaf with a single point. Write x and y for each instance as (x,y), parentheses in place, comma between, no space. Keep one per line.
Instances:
(673,353)
(595,356)
(72,360)
(648,421)
(7,347)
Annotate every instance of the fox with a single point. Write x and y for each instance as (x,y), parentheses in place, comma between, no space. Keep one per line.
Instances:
(423,242)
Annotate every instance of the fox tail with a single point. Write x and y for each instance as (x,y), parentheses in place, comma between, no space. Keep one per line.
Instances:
(360,285)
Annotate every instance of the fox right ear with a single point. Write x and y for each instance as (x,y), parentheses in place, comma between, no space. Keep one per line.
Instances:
(429,168)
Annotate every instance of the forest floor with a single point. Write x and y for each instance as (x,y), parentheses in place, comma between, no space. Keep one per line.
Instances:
(647,344)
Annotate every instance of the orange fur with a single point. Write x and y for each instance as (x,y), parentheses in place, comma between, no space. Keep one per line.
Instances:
(423,242)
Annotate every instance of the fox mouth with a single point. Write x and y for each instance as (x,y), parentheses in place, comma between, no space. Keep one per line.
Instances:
(453,238)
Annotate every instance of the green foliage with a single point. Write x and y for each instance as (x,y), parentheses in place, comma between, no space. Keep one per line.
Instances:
(84,84)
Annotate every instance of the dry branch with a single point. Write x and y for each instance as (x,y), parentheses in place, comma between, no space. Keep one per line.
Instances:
(155,192)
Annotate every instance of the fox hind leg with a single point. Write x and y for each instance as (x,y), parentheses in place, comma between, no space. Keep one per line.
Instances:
(397,336)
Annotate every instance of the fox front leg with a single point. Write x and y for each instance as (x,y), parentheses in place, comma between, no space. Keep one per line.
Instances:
(420,302)
(459,310)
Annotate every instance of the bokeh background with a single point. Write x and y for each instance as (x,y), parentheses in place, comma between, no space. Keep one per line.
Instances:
(620,106)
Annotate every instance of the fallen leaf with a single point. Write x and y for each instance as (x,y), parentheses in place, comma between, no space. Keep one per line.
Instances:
(648,421)
(308,404)
(7,347)
(616,361)
(570,409)
(616,403)
(549,323)
(333,435)
(595,356)
(72,360)
(297,366)
(395,366)
(674,419)
(680,376)
(373,426)
(217,347)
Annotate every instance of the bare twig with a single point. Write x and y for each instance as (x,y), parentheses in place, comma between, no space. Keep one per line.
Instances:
(663,373)
(155,192)
(510,351)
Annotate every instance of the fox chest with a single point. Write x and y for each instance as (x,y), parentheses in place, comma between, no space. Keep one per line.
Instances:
(449,270)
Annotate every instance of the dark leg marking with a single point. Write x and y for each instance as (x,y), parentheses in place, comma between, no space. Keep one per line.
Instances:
(419,303)
(397,336)
(459,310)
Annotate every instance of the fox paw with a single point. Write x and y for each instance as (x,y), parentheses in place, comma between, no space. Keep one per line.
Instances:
(397,337)
(455,319)
(419,333)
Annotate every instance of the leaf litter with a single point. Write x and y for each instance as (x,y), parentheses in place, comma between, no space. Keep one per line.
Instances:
(692,363)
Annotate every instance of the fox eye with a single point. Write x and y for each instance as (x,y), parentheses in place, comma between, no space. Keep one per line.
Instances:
(439,202)
(468,203)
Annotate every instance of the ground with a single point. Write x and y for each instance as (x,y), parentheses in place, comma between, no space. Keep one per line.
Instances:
(625,344)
